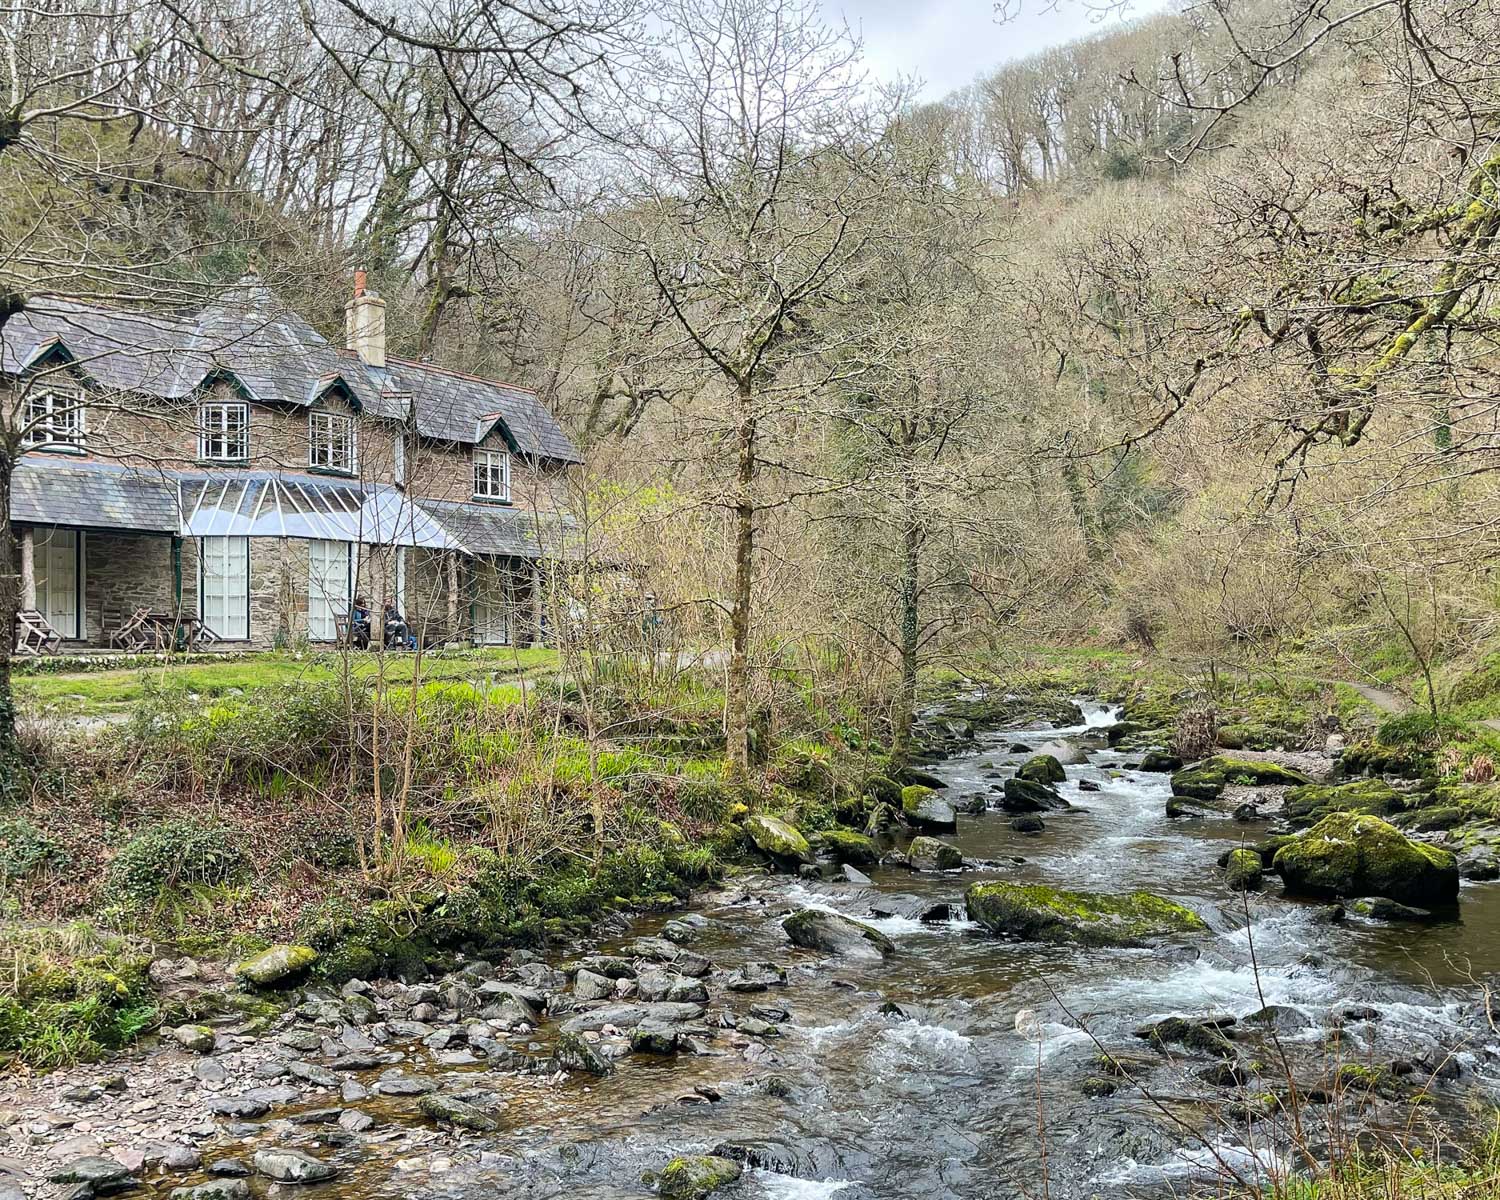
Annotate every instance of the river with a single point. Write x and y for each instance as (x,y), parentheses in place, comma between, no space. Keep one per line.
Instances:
(946,1098)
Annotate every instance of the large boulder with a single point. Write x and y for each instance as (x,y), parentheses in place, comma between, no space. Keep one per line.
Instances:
(774,837)
(276,964)
(833,933)
(1069,754)
(1353,854)
(1027,796)
(883,790)
(1208,779)
(1160,762)
(1035,913)
(293,1166)
(930,854)
(925,809)
(848,846)
(1042,768)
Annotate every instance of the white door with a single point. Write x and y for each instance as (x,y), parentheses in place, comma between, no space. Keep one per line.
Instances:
(57,578)
(328,594)
(491,603)
(224,586)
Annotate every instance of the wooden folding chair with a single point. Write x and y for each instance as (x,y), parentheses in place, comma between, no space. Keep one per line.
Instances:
(35,634)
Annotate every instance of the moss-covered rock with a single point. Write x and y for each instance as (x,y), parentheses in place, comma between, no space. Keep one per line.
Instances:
(693,1177)
(1242,871)
(1375,758)
(279,963)
(1247,735)
(1042,768)
(1035,913)
(1204,1037)
(1028,796)
(848,846)
(572,1053)
(774,837)
(925,809)
(1310,803)
(1430,820)
(449,1110)
(1160,762)
(833,933)
(930,854)
(1208,779)
(1351,854)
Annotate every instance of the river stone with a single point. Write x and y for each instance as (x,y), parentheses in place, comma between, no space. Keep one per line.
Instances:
(1242,871)
(668,985)
(652,1037)
(574,1054)
(1160,762)
(1028,796)
(239,1107)
(1203,1037)
(1035,913)
(833,933)
(276,964)
(449,1110)
(611,966)
(755,977)
(930,854)
(1043,768)
(1349,854)
(1380,909)
(95,1172)
(847,846)
(628,1016)
(293,1166)
(1028,823)
(774,837)
(692,1177)
(218,1189)
(1208,779)
(589,986)
(925,809)
(200,1039)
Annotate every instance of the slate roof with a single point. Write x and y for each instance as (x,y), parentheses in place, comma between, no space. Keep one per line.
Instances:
(497,529)
(277,357)
(93,495)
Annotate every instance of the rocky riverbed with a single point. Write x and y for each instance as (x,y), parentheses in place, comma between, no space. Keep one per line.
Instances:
(847,1030)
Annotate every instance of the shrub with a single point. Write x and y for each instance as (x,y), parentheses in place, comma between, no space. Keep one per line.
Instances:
(24,850)
(173,854)
(1417,730)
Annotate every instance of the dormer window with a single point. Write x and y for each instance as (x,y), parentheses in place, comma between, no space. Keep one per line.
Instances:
(224,431)
(491,475)
(331,444)
(53,419)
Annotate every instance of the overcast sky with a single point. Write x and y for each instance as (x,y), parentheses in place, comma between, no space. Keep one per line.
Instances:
(948,42)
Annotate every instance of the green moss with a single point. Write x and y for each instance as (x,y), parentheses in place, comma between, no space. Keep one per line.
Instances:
(1350,854)
(692,1177)
(1208,779)
(883,790)
(1242,871)
(1310,803)
(847,846)
(775,837)
(1034,912)
(1043,768)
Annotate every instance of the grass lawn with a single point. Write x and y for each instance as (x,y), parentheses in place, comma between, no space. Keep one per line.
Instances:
(106,693)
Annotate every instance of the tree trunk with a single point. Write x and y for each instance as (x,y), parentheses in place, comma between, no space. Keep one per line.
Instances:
(737,688)
(911,561)
(10,602)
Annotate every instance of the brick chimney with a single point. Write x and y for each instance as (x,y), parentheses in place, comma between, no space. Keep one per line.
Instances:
(364,323)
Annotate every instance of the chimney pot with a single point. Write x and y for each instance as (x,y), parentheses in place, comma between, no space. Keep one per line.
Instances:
(360,278)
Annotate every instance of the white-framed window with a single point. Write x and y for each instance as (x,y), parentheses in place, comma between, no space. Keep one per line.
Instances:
(491,474)
(331,442)
(328,591)
(53,419)
(224,586)
(224,431)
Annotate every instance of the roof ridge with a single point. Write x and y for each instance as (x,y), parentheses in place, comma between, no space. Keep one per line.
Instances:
(412,362)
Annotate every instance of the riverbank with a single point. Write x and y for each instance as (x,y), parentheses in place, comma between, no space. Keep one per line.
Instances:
(951,1061)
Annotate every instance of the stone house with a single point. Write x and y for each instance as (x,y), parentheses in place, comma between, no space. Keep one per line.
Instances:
(236,467)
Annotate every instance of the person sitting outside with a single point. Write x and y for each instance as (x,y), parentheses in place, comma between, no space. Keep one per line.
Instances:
(397,635)
(359,624)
